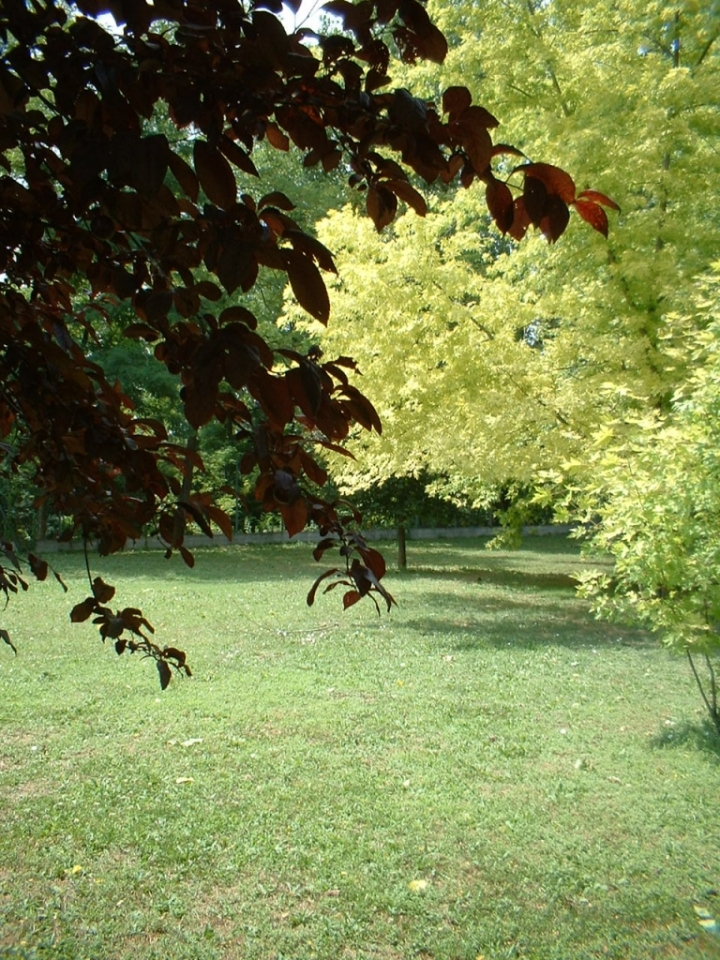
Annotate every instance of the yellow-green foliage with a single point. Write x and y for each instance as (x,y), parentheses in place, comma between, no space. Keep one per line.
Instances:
(654,505)
(496,363)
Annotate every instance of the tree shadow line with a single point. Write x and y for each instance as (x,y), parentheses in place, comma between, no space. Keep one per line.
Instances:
(696,736)
(534,621)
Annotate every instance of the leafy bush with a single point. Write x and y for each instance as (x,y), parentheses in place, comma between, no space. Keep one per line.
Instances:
(654,506)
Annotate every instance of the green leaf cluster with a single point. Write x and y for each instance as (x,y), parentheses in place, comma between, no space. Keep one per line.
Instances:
(654,505)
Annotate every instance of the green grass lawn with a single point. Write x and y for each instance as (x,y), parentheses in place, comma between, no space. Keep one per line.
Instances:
(484,773)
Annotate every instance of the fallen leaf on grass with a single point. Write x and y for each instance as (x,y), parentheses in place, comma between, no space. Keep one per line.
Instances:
(192,741)
(417,886)
(185,780)
(706,920)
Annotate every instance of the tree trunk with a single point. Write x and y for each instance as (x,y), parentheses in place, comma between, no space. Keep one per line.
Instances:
(41,521)
(402,549)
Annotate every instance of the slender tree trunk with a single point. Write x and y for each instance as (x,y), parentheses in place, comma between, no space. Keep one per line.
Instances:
(402,548)
(41,521)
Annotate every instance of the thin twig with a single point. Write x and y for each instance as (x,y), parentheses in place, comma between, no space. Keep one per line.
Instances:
(713,715)
(713,684)
(87,561)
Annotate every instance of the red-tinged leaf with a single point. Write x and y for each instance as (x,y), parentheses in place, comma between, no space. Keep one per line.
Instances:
(362,577)
(188,558)
(504,148)
(593,214)
(208,290)
(309,245)
(307,285)
(408,195)
(149,165)
(276,137)
(362,410)
(313,470)
(467,175)
(237,266)
(521,220)
(295,516)
(535,196)
(336,448)
(155,306)
(103,592)
(276,199)
(186,302)
(39,567)
(327,544)
(274,397)
(198,515)
(238,315)
(314,588)
(285,489)
(331,161)
(165,673)
(305,385)
(375,562)
(140,331)
(555,180)
(381,206)
(430,42)
(237,156)
(350,598)
(278,222)
(556,219)
(596,197)
(455,100)
(337,583)
(409,112)
(500,203)
(454,166)
(215,175)
(185,176)
(125,283)
(479,116)
(375,79)
(83,611)
(221,520)
(199,404)
(434,45)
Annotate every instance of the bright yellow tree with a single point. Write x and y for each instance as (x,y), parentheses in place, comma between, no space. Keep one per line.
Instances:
(494,364)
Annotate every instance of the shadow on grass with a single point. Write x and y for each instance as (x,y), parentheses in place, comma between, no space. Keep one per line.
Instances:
(534,621)
(499,577)
(235,564)
(696,736)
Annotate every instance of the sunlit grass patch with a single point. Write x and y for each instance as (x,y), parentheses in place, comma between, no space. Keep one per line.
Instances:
(485,772)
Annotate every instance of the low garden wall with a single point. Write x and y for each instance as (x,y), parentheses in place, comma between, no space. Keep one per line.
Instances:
(412,533)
